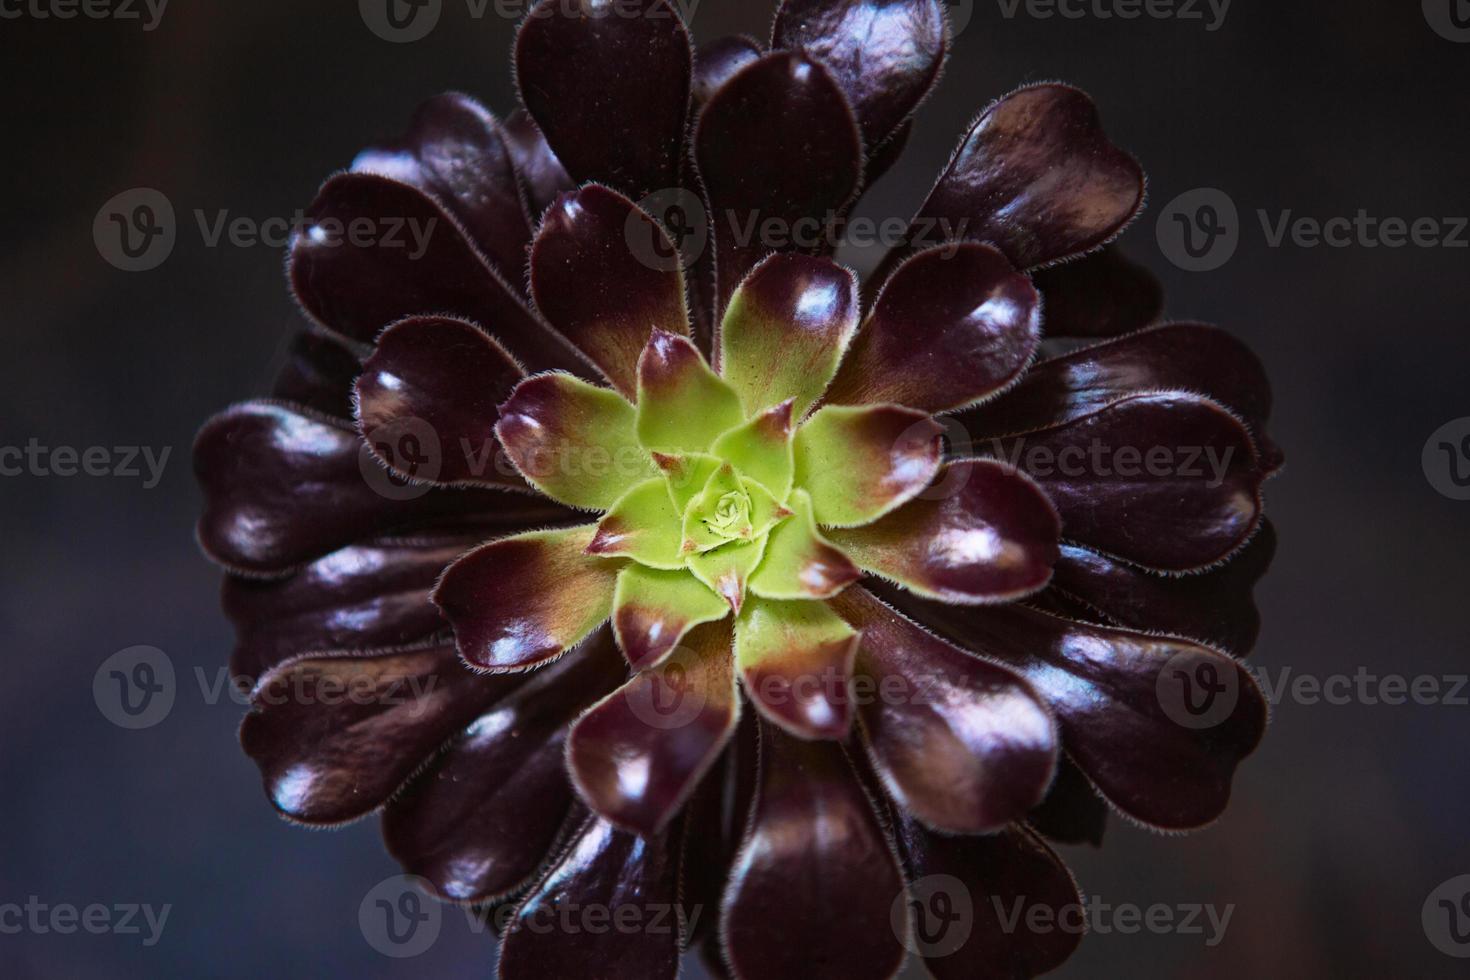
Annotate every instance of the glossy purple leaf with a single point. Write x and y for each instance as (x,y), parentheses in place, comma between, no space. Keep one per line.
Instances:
(439,381)
(456,152)
(782,108)
(365,596)
(1215,608)
(605,910)
(521,602)
(1025,914)
(811,890)
(283,486)
(596,290)
(1159,725)
(638,754)
(962,744)
(1037,177)
(336,737)
(786,329)
(982,533)
(609,86)
(954,325)
(376,251)
(796,663)
(1175,356)
(479,822)
(886,54)
(1169,480)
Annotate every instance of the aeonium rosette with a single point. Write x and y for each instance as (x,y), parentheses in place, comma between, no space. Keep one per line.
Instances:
(733,624)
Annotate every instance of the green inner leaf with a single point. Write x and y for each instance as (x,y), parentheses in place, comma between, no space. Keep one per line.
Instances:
(761,449)
(727,569)
(770,630)
(799,562)
(643,526)
(683,406)
(653,610)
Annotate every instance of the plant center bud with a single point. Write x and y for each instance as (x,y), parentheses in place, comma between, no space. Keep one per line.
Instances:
(730,517)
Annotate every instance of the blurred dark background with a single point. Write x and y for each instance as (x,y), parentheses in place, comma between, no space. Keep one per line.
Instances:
(1342,824)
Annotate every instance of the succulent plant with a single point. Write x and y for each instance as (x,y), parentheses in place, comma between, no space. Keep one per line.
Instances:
(711,578)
